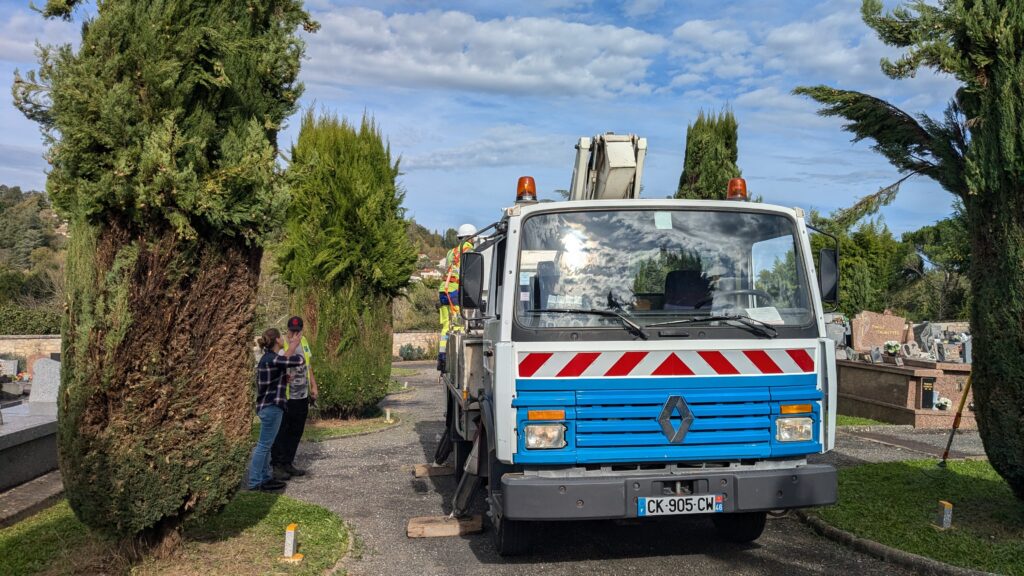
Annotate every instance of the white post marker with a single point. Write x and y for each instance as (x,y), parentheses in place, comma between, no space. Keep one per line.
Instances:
(944,521)
(387,415)
(291,544)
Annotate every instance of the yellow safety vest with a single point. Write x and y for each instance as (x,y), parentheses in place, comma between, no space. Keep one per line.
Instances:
(306,353)
(454,260)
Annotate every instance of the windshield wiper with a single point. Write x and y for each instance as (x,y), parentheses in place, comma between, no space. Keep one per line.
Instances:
(758,327)
(631,326)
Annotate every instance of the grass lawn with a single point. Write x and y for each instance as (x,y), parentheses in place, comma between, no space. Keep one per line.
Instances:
(396,388)
(403,372)
(326,429)
(844,420)
(246,538)
(896,503)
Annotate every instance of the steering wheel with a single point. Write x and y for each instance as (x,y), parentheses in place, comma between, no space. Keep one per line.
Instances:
(761,294)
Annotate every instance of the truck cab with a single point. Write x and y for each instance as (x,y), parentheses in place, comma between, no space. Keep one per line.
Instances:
(636,358)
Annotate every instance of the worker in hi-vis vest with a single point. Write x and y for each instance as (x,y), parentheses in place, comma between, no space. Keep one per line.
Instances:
(448,292)
(301,392)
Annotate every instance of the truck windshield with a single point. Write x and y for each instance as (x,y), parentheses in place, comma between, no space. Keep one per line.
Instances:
(658,266)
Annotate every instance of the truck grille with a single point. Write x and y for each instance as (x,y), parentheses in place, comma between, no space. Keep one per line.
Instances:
(622,425)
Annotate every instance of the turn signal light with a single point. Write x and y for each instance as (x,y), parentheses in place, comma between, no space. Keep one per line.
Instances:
(737,189)
(526,189)
(545,415)
(796,409)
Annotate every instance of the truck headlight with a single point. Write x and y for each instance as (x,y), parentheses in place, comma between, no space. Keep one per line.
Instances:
(794,429)
(545,436)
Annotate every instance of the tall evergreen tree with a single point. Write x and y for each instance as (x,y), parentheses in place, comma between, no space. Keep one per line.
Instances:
(710,159)
(977,153)
(346,255)
(162,133)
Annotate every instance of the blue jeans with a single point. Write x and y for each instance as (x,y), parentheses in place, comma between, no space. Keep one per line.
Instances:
(259,466)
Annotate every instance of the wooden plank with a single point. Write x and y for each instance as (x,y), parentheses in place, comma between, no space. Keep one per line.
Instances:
(441,526)
(428,470)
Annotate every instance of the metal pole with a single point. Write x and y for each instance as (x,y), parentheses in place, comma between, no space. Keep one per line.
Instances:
(956,422)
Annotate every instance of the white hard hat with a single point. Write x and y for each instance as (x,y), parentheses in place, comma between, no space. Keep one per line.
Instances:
(466,230)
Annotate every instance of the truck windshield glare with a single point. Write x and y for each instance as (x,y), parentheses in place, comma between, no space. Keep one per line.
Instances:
(657,266)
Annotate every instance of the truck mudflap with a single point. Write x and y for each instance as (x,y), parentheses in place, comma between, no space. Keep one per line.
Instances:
(528,497)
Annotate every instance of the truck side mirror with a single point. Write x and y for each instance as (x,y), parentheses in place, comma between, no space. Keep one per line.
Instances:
(828,275)
(471,281)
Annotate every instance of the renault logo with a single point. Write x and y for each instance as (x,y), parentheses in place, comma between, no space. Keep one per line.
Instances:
(675,404)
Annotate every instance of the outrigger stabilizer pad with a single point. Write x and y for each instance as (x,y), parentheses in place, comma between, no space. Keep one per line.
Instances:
(429,470)
(440,526)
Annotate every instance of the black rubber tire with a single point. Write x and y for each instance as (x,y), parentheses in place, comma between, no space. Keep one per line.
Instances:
(740,527)
(510,537)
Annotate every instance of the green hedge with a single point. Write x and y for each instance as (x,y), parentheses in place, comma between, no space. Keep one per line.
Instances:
(16,320)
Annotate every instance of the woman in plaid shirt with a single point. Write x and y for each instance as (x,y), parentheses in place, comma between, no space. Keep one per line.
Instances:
(271,382)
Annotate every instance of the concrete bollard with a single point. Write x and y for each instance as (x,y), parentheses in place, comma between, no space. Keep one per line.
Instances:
(291,544)
(944,520)
(387,415)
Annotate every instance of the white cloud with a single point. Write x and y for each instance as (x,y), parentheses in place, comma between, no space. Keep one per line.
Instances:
(454,50)
(20,30)
(506,145)
(711,36)
(641,8)
(686,79)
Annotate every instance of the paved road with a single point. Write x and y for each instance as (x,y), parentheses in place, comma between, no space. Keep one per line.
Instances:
(368,481)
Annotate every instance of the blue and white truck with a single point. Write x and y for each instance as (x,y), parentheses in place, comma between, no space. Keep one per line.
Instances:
(628,358)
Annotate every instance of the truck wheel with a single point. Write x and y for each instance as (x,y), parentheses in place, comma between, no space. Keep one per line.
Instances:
(511,537)
(741,526)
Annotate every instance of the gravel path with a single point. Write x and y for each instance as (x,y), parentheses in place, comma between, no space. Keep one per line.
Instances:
(368,481)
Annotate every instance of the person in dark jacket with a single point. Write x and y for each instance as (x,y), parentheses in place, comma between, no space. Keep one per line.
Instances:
(271,383)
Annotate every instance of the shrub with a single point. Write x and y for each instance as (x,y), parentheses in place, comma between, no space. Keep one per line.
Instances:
(15,320)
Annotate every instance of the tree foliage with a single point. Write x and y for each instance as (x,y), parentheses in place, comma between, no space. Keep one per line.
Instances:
(710,159)
(161,131)
(31,258)
(346,255)
(976,152)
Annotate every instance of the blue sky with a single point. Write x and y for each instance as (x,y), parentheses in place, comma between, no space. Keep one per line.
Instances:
(473,95)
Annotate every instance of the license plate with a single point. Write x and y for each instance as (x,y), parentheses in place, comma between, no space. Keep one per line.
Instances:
(666,505)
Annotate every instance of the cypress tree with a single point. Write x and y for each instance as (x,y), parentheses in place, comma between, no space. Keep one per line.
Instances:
(977,153)
(346,255)
(710,158)
(162,133)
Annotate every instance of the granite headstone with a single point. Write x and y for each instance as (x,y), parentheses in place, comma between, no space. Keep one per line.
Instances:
(45,383)
(870,329)
(8,367)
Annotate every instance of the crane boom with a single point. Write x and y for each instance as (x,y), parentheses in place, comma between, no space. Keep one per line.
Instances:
(608,167)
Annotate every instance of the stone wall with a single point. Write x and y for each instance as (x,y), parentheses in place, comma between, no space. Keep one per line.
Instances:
(30,347)
(425,340)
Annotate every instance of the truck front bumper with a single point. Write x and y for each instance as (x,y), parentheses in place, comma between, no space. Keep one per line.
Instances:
(526,497)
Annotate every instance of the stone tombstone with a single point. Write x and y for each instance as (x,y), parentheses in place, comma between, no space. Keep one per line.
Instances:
(926,333)
(45,383)
(870,329)
(967,351)
(8,367)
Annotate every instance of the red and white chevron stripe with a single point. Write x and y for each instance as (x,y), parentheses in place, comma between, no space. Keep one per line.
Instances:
(664,363)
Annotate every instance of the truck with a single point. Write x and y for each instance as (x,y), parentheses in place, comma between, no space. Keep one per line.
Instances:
(630,358)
